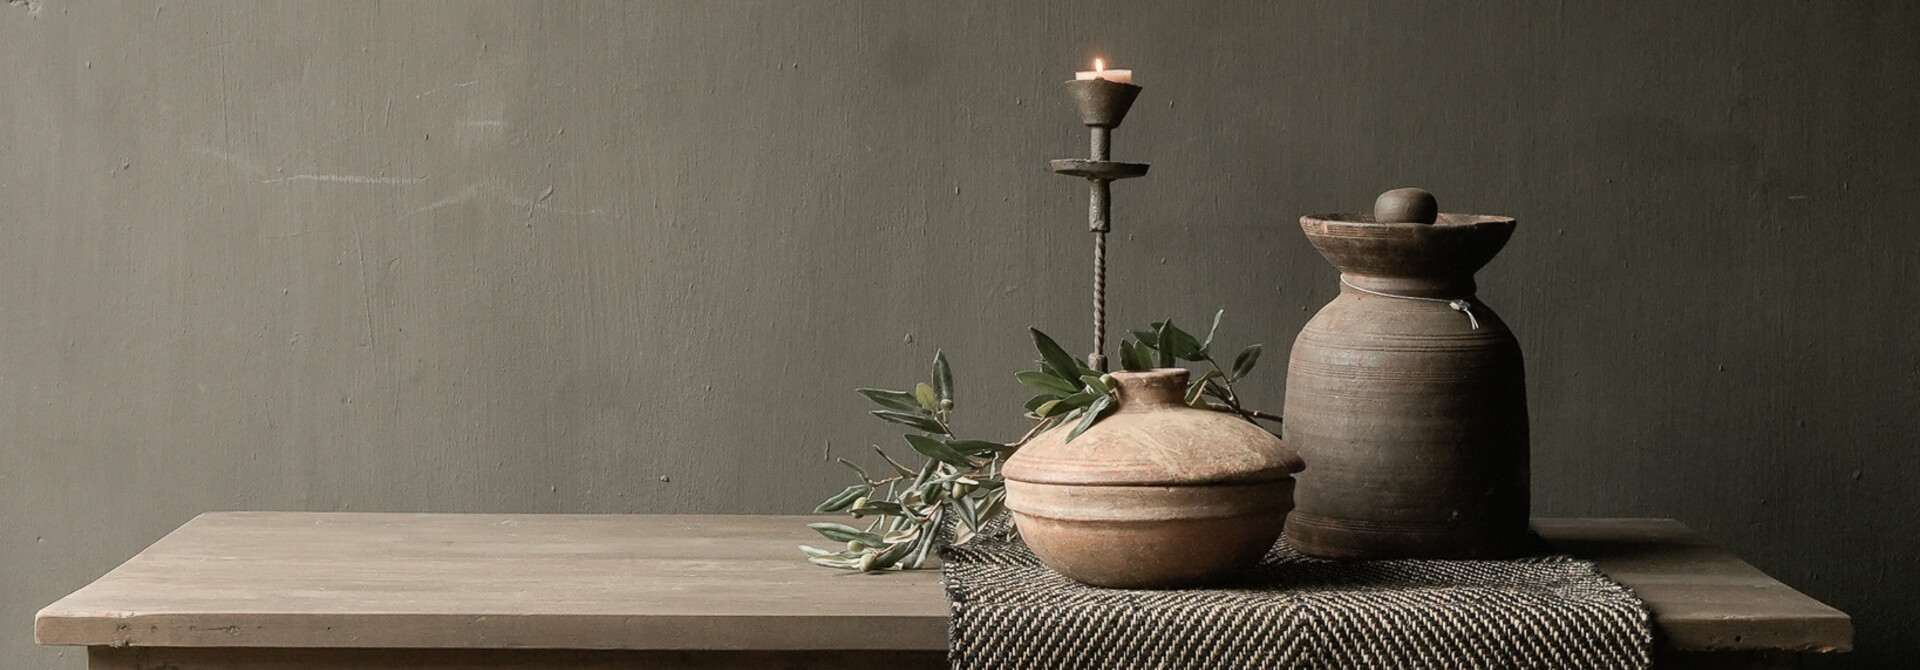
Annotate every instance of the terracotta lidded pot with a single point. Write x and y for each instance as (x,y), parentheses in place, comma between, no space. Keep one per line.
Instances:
(1406,395)
(1156,495)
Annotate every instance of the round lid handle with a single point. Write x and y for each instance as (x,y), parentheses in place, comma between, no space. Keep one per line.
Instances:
(1406,205)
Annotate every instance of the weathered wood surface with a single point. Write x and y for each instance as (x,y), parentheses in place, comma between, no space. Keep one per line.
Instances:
(230,658)
(255,658)
(607,582)
(1703,598)
(494,581)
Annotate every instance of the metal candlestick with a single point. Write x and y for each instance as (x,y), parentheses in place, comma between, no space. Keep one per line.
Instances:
(1102,104)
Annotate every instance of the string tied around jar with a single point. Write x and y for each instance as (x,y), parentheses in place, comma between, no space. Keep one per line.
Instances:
(1461,305)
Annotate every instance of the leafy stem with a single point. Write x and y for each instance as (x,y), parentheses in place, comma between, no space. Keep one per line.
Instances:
(959,487)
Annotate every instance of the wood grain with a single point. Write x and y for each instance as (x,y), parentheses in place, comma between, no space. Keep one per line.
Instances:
(228,658)
(495,581)
(1703,598)
(617,582)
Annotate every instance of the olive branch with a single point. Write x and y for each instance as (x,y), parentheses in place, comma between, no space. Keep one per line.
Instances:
(960,484)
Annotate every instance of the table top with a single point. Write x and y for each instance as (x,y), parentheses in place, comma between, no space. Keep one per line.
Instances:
(491,581)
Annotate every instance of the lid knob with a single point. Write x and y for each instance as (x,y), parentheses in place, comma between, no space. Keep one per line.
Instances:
(1406,205)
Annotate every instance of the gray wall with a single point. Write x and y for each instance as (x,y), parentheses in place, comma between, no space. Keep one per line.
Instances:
(526,257)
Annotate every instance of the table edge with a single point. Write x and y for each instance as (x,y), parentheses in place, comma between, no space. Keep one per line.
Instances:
(1828,630)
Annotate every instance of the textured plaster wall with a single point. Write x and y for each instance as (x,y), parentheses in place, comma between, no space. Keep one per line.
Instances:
(631,257)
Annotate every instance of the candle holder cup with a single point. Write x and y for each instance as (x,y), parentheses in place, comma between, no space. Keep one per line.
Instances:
(1102,103)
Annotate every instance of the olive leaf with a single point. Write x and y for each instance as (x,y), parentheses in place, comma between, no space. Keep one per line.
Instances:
(1092,413)
(1095,385)
(1207,344)
(994,502)
(1042,381)
(894,400)
(963,508)
(924,543)
(897,467)
(919,421)
(1135,357)
(878,508)
(857,470)
(932,492)
(936,450)
(816,552)
(1049,407)
(976,447)
(1035,402)
(892,555)
(1200,386)
(1244,363)
(903,535)
(845,533)
(1063,364)
(836,562)
(1068,417)
(843,499)
(942,376)
(1194,393)
(1164,338)
(1178,344)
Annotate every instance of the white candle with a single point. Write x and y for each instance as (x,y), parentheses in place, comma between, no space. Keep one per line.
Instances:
(1100,71)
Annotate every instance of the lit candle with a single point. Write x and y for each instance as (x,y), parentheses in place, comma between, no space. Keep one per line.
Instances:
(1100,71)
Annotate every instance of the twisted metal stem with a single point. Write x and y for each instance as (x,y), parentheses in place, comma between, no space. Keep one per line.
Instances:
(1098,360)
(1099,210)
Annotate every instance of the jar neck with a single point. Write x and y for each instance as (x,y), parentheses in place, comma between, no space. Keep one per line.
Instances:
(1162,387)
(1442,288)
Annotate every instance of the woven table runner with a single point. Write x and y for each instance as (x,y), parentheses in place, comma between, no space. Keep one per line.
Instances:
(1008,611)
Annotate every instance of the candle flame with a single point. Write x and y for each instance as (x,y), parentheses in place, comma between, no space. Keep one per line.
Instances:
(1099,66)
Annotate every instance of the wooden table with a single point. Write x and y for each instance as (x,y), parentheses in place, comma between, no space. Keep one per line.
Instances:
(280,591)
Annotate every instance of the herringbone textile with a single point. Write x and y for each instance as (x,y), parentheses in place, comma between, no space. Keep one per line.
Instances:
(1007,611)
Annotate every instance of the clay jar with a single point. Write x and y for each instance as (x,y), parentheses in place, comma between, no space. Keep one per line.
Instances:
(1156,495)
(1411,419)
